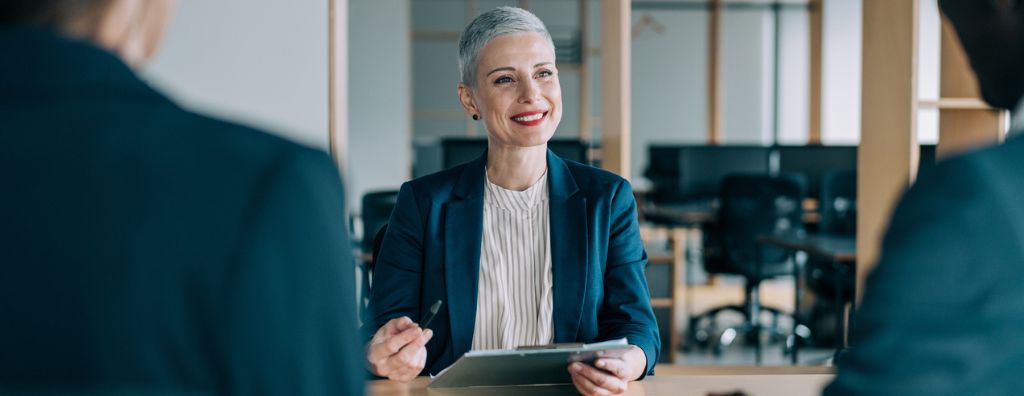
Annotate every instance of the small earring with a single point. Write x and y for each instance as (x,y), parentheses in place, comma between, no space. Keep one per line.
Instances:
(475,117)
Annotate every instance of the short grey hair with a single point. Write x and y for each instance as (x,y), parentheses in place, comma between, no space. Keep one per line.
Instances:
(486,27)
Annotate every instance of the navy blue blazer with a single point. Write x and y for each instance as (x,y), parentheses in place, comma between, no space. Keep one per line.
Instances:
(942,311)
(432,252)
(146,249)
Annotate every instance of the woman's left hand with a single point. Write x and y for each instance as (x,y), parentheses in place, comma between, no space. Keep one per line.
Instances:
(608,376)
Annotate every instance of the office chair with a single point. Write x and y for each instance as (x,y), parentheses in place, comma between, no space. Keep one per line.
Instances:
(376,211)
(838,205)
(368,267)
(751,205)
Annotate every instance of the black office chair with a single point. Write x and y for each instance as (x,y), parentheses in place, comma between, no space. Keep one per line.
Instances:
(368,268)
(378,240)
(751,205)
(838,205)
(376,210)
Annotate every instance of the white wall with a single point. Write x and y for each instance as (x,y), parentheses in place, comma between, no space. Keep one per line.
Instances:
(747,72)
(794,79)
(841,68)
(930,43)
(669,84)
(380,96)
(258,62)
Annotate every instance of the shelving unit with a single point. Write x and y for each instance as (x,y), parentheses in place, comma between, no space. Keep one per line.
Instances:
(666,279)
(965,121)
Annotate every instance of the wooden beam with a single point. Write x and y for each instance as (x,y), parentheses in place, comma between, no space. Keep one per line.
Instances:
(615,84)
(816,20)
(715,97)
(337,86)
(584,72)
(962,129)
(887,158)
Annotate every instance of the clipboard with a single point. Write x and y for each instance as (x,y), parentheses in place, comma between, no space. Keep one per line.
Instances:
(538,365)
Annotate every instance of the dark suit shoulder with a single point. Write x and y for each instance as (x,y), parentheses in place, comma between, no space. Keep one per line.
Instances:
(953,221)
(947,286)
(238,141)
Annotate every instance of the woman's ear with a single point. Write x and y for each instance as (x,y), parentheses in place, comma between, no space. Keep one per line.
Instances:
(466,98)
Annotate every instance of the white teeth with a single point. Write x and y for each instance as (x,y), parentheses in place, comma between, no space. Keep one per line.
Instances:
(534,117)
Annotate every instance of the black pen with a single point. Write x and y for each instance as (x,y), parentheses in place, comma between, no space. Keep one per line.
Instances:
(433,312)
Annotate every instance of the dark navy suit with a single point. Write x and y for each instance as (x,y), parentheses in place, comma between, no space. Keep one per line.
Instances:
(943,311)
(432,252)
(146,249)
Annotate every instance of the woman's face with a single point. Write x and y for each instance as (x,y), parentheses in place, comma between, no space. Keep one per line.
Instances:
(517,94)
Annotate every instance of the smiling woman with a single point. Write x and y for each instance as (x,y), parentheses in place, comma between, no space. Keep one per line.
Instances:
(523,247)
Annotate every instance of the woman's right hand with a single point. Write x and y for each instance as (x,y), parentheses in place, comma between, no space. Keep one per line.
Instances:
(398,350)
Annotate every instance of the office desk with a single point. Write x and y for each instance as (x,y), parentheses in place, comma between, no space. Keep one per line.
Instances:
(671,380)
(695,215)
(835,248)
(839,250)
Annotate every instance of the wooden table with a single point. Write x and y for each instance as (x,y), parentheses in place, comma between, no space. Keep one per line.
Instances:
(671,380)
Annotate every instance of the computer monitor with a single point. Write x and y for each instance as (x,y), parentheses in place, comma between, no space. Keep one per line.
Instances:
(695,172)
(814,162)
(457,151)
(702,168)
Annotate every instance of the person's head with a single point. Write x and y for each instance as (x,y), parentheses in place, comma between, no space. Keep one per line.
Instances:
(992,34)
(131,28)
(509,78)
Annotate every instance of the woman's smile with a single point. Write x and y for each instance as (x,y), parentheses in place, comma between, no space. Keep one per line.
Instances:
(530,118)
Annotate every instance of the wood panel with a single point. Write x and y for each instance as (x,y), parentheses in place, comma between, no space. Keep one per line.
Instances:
(888,151)
(337,86)
(615,86)
(815,14)
(585,88)
(962,129)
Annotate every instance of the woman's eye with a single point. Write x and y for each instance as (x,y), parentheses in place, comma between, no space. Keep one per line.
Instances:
(545,73)
(503,80)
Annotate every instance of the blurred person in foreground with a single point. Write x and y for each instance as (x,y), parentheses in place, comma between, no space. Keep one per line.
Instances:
(145,249)
(942,312)
(523,247)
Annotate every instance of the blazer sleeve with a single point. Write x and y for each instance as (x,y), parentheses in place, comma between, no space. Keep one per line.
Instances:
(398,271)
(626,309)
(942,310)
(289,297)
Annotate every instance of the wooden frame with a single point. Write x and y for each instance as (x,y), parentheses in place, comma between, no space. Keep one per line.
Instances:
(965,121)
(816,15)
(887,158)
(615,85)
(337,77)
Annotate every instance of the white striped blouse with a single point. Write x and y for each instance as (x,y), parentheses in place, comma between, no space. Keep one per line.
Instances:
(514,295)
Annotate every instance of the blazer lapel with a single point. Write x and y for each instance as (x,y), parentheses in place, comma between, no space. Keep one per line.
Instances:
(463,230)
(568,219)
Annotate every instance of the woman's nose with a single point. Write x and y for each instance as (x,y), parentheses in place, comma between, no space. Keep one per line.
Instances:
(529,92)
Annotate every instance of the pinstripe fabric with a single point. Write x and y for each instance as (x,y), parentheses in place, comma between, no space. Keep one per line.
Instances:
(514,299)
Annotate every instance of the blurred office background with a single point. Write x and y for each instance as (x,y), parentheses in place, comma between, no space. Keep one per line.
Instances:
(268,65)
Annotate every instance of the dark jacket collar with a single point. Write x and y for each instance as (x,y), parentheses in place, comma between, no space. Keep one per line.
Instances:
(40,62)
(561,184)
